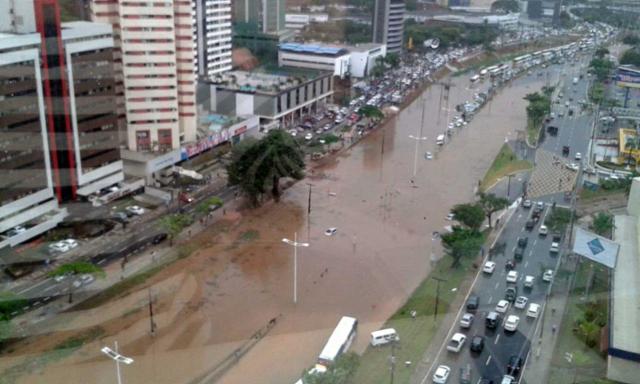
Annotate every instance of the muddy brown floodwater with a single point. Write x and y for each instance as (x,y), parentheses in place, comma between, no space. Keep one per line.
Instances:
(241,276)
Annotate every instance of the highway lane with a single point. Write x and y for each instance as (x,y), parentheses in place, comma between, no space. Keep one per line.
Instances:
(501,345)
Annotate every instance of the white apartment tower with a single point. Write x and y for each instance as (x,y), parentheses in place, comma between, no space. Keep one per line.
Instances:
(212,36)
(154,70)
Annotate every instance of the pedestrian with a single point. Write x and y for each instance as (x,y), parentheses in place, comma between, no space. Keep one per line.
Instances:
(553,329)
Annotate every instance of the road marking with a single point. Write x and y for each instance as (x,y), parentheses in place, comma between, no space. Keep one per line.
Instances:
(488,360)
(526,263)
(534,242)
(513,249)
(522,229)
(497,338)
(49,288)
(497,285)
(490,300)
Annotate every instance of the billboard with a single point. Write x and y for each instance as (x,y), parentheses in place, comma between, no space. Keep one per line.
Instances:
(627,76)
(596,248)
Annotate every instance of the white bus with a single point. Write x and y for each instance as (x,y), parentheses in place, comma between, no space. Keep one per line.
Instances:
(339,341)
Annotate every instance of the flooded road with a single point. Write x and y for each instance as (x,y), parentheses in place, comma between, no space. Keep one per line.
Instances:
(211,303)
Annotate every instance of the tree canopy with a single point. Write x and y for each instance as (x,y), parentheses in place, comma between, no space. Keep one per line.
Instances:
(462,242)
(510,6)
(631,39)
(470,215)
(371,112)
(601,52)
(491,204)
(601,68)
(78,268)
(10,303)
(174,224)
(631,56)
(602,224)
(539,106)
(258,166)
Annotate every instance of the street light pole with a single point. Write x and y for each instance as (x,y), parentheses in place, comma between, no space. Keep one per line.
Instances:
(117,357)
(295,245)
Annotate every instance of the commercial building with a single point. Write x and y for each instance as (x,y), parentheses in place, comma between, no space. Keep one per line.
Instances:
(300,20)
(27,198)
(503,21)
(155,78)
(363,58)
(212,36)
(388,24)
(278,99)
(321,57)
(623,353)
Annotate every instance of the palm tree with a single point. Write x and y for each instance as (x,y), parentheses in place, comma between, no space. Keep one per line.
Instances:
(258,166)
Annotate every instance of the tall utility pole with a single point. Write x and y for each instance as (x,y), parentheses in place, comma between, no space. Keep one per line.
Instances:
(435,309)
(392,360)
(295,245)
(152,323)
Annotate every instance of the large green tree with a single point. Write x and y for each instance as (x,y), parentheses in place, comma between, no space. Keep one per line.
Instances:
(491,204)
(371,111)
(258,167)
(462,242)
(601,68)
(539,106)
(10,303)
(174,224)
(470,215)
(631,56)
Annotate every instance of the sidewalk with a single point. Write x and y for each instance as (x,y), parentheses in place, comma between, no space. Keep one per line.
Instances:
(544,340)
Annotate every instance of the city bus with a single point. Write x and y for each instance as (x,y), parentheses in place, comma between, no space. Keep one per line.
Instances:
(339,341)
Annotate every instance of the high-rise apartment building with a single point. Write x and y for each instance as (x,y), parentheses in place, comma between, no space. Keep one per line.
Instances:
(267,15)
(388,24)
(28,206)
(212,36)
(154,64)
(78,95)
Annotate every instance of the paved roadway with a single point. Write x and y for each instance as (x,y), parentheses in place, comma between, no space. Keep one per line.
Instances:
(500,345)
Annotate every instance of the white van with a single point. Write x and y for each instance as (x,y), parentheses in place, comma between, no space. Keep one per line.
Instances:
(440,140)
(384,336)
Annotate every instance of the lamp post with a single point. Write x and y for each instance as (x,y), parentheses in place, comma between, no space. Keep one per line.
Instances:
(118,358)
(415,157)
(295,245)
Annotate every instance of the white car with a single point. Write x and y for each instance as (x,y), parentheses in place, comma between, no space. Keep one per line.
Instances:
(573,166)
(528,281)
(71,243)
(331,231)
(442,374)
(58,247)
(521,302)
(534,310)
(489,267)
(512,276)
(451,217)
(548,275)
(428,156)
(502,306)
(456,342)
(308,136)
(18,229)
(511,324)
(135,210)
(578,156)
(87,279)
(466,320)
(543,230)
(555,247)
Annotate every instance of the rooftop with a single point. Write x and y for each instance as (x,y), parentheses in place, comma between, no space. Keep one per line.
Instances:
(266,80)
(314,49)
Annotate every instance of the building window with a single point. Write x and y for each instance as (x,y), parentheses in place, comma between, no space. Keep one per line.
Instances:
(143,141)
(164,139)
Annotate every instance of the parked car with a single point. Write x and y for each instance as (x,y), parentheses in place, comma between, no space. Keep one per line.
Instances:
(543,230)
(135,210)
(120,217)
(548,275)
(526,203)
(18,229)
(555,247)
(331,231)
